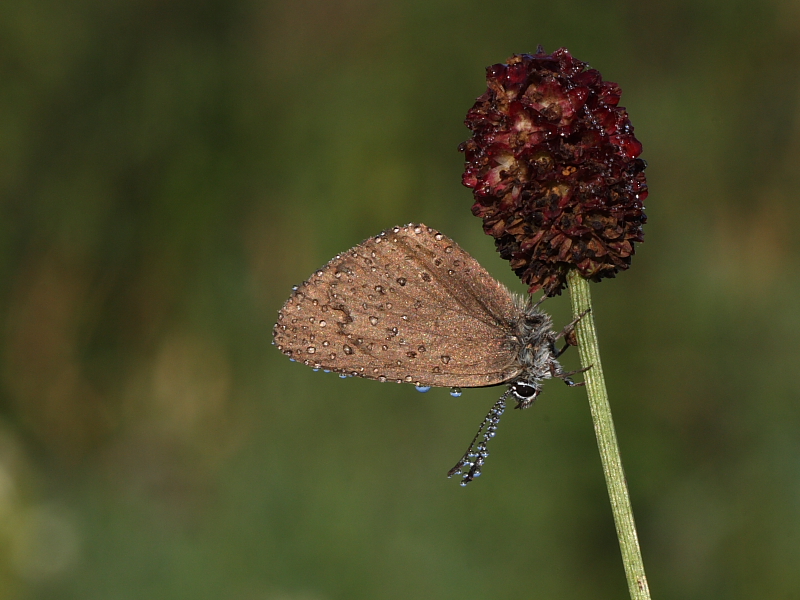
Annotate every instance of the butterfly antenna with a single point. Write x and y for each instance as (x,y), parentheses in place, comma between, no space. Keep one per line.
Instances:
(476,454)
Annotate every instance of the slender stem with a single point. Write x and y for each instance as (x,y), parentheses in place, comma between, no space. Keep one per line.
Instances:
(607,439)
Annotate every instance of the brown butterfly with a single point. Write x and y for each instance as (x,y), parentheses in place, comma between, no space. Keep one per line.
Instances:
(410,305)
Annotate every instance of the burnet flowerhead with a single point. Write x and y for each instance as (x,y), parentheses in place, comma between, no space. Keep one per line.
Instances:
(554,168)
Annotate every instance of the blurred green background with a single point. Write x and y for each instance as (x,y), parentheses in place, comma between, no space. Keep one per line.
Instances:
(169,169)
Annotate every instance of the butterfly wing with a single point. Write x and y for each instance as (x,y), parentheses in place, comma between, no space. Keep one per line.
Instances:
(408,305)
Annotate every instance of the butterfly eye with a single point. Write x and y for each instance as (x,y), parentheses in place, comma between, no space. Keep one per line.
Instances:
(523,391)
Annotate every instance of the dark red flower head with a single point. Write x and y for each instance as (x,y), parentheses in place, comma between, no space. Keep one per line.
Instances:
(553,166)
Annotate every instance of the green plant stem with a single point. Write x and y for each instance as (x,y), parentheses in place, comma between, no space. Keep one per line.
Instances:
(607,439)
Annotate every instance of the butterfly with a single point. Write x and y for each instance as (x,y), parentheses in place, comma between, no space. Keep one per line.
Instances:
(411,306)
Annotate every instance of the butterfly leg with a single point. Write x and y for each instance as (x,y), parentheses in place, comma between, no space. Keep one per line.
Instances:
(564,349)
(566,377)
(568,333)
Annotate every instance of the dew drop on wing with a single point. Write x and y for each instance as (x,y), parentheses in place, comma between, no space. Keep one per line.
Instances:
(423,388)
(455,392)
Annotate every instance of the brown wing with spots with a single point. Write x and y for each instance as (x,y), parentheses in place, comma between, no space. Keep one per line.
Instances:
(407,305)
